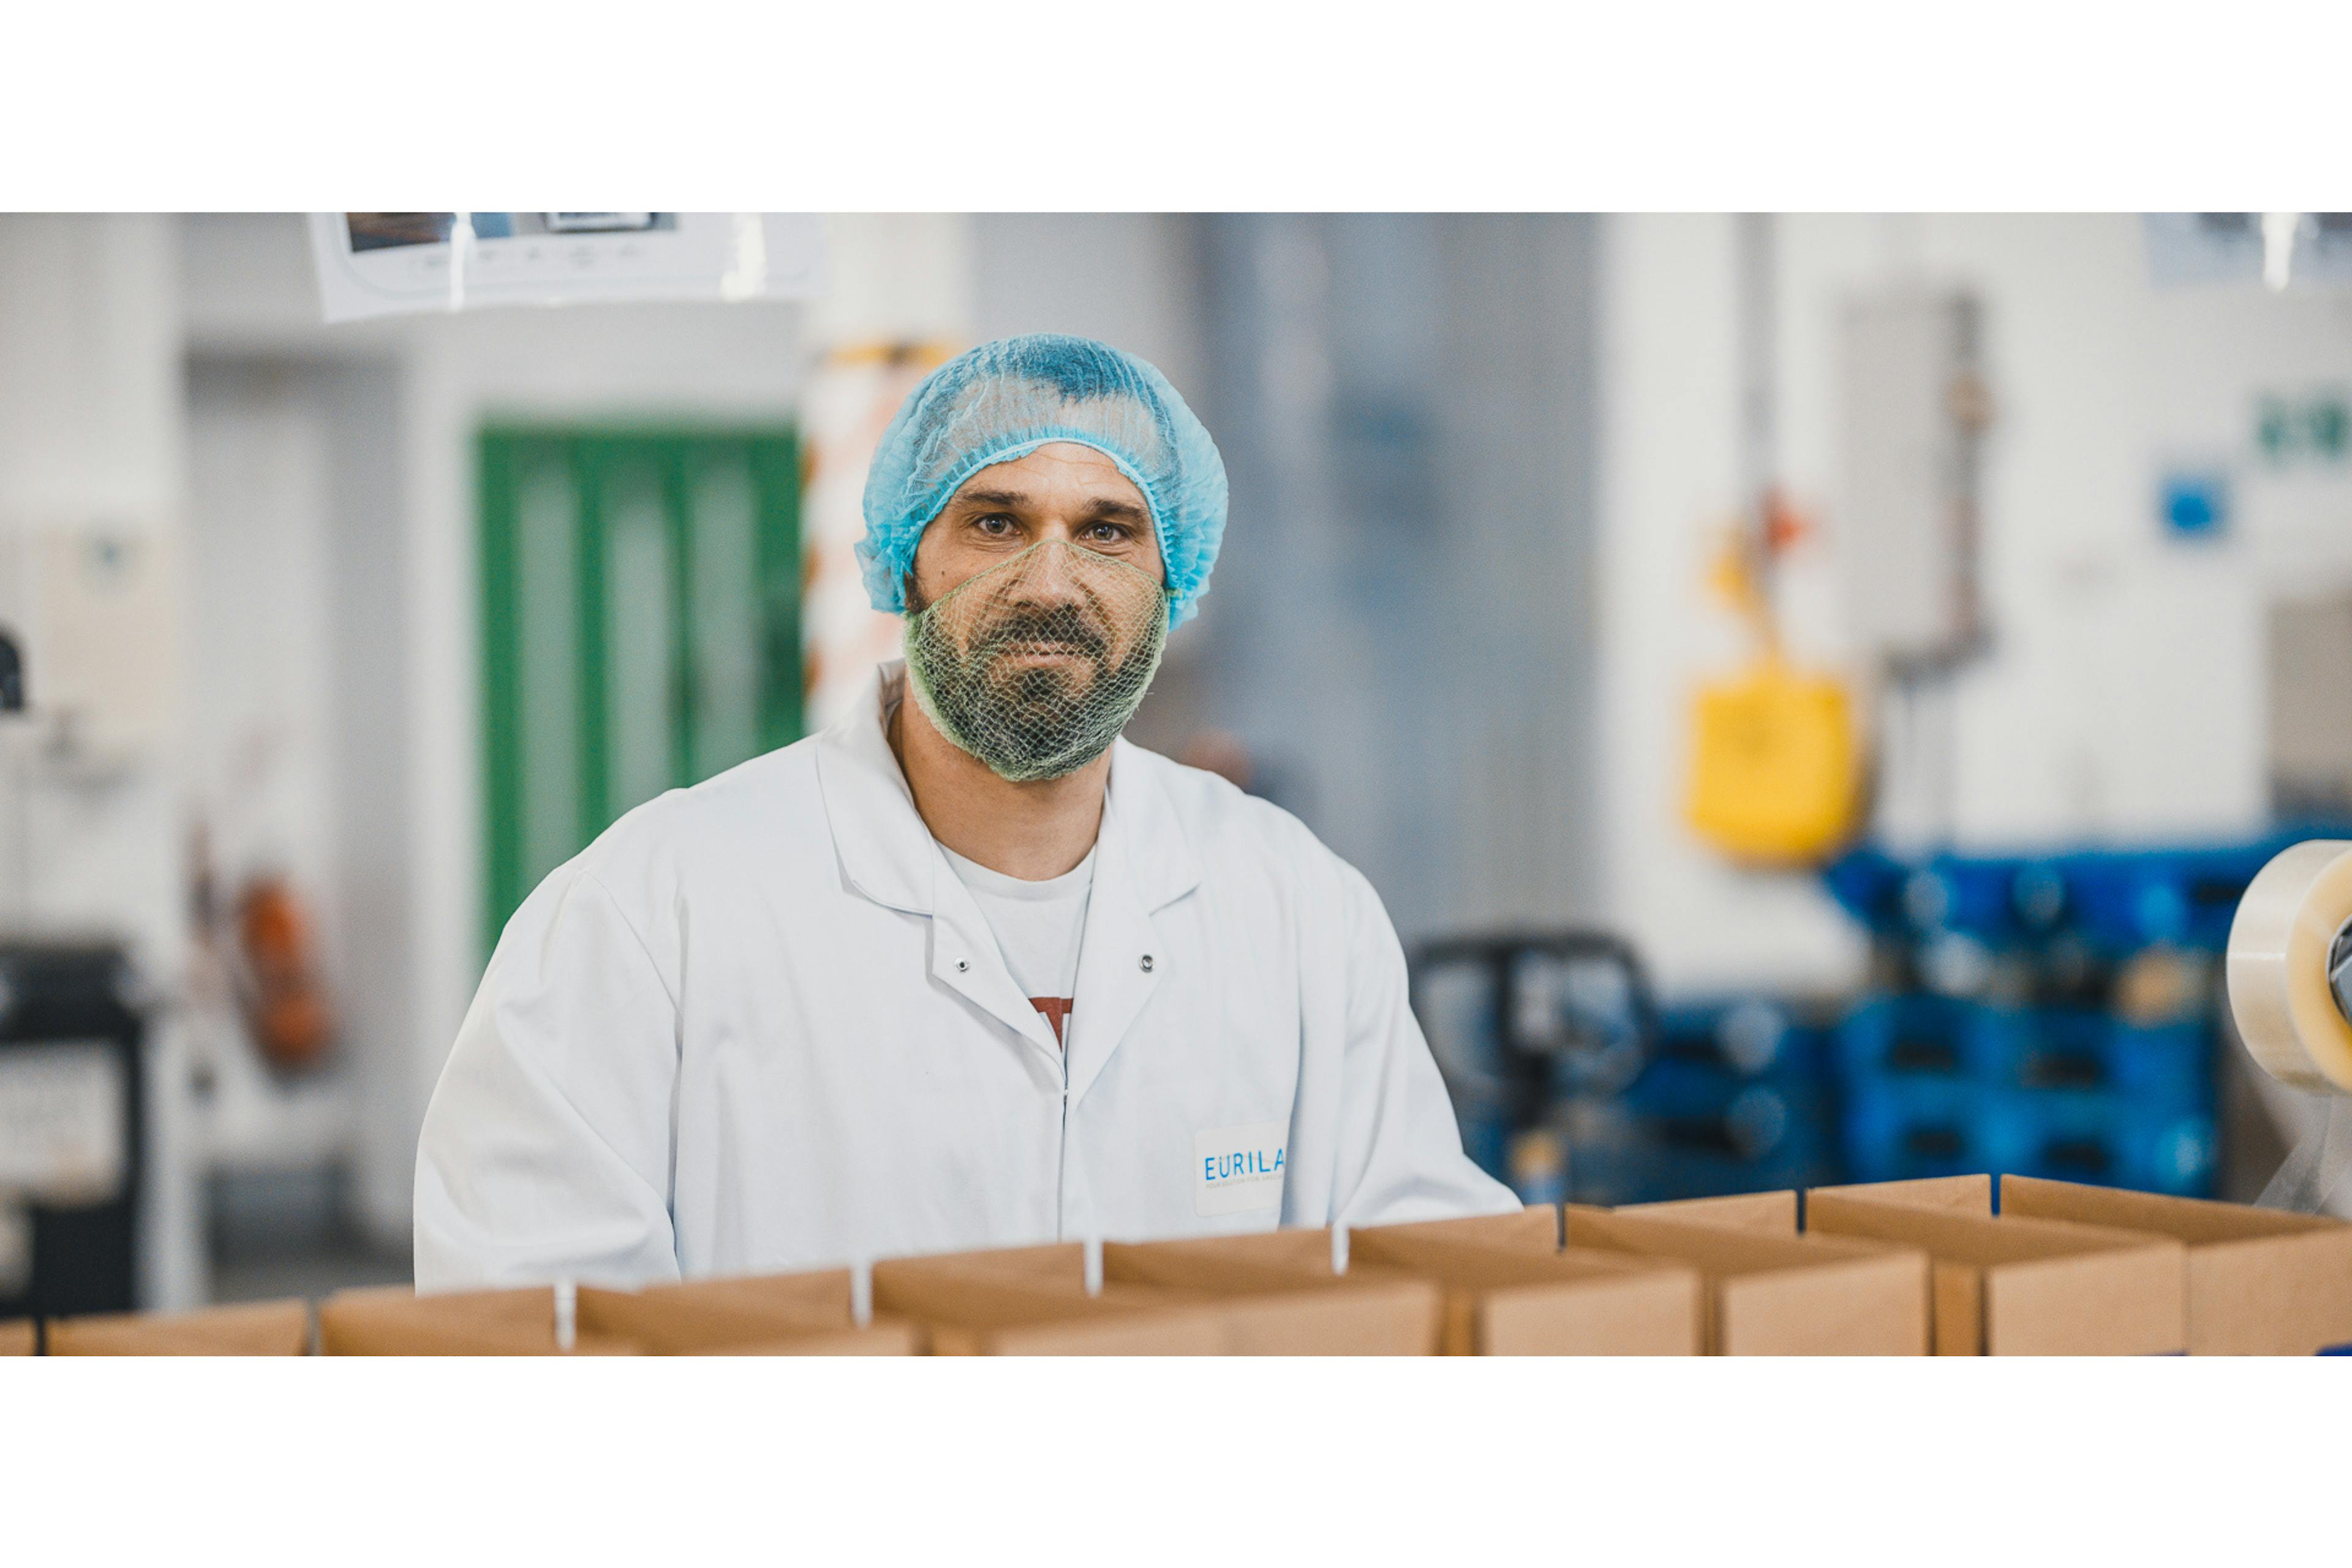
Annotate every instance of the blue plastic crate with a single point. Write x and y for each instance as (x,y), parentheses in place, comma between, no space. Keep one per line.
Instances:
(1908,1034)
(2118,901)
(2121,902)
(1975,897)
(1898,1128)
(2164,1065)
(2099,1137)
(1918,1035)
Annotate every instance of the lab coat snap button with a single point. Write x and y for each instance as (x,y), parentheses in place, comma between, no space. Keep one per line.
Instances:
(1147,964)
(962,965)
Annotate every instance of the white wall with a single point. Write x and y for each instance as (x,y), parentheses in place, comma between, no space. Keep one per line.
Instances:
(1132,279)
(2121,700)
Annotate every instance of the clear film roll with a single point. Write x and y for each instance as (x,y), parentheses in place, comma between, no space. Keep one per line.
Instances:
(2280,944)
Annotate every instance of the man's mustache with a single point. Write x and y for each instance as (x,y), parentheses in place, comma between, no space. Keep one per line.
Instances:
(1063,624)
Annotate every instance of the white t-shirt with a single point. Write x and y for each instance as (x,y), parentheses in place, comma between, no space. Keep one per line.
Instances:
(1038,927)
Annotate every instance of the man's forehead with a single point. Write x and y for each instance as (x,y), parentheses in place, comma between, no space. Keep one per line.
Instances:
(1059,470)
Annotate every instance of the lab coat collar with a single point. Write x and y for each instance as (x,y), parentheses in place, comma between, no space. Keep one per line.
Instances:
(1143,861)
(888,854)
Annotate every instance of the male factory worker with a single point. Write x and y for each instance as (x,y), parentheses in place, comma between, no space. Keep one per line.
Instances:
(964,969)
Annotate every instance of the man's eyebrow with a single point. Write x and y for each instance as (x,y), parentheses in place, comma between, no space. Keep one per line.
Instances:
(1123,510)
(1110,506)
(994,498)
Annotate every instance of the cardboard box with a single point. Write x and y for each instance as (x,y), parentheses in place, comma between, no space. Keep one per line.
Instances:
(1521,1296)
(1280,1295)
(818,1294)
(2260,1282)
(16,1337)
(1959,1195)
(2021,1286)
(693,1319)
(396,1321)
(1780,1295)
(261,1328)
(1773,1213)
(1536,1227)
(1025,1301)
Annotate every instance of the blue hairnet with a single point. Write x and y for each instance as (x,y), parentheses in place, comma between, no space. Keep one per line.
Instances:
(1007,398)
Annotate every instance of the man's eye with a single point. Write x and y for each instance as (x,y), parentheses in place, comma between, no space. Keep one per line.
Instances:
(1108,531)
(994,524)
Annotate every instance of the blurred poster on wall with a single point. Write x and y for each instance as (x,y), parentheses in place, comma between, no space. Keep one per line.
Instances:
(378,264)
(849,402)
(2272,248)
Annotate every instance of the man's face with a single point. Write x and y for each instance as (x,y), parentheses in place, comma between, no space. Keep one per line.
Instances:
(1036,600)
(1061,490)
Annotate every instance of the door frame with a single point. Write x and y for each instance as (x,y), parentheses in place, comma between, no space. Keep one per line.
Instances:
(590,449)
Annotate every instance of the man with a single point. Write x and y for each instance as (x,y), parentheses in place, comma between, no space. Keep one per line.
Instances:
(965,970)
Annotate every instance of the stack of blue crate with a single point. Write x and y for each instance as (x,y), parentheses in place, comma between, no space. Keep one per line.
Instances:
(2110,1080)
(1937,1085)
(1738,1095)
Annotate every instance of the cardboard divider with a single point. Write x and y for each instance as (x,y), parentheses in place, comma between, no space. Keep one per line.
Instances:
(260,1327)
(1522,1296)
(2013,1286)
(17,1336)
(1537,1225)
(683,1320)
(1034,1301)
(1780,1295)
(1769,1213)
(821,1296)
(2260,1282)
(396,1321)
(1971,1194)
(812,1315)
(1282,1297)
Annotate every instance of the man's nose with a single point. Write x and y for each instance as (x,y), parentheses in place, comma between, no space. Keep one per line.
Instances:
(1051,578)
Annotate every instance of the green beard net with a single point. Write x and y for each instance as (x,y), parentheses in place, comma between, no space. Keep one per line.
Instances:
(973,659)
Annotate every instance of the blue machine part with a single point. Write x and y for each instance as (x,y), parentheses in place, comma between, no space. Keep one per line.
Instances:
(1753,1141)
(1738,1096)
(1744,1037)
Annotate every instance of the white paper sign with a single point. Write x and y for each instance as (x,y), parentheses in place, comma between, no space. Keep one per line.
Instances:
(63,1122)
(378,264)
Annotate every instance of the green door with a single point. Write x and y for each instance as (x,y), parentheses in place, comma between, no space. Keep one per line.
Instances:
(640,626)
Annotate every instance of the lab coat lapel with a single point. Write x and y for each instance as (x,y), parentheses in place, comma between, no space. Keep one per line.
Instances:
(888,854)
(967,960)
(1142,862)
(886,851)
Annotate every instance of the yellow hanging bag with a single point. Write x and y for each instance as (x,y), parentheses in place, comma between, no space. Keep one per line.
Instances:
(1776,765)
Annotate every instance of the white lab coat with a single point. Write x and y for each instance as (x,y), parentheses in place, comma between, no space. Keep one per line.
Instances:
(761,1024)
